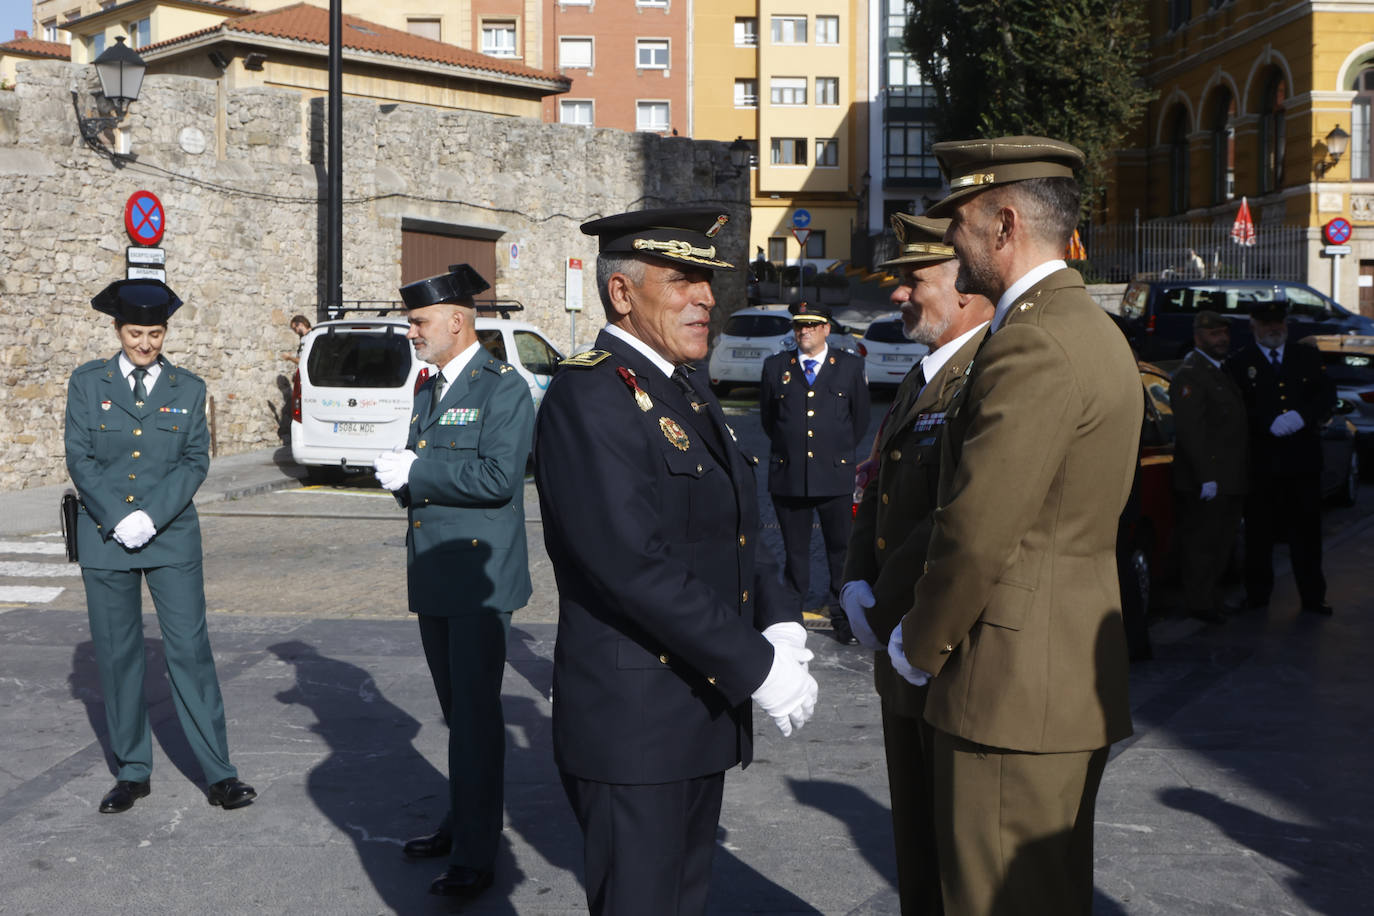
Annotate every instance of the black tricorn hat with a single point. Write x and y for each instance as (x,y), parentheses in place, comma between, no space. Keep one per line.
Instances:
(684,235)
(460,284)
(146,302)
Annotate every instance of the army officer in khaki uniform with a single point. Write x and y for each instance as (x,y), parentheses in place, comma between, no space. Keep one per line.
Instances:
(462,479)
(892,529)
(1017,618)
(137,450)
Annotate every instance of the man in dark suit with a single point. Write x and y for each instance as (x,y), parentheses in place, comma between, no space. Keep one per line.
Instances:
(813,404)
(1210,434)
(670,619)
(137,450)
(1016,620)
(892,531)
(1288,397)
(462,479)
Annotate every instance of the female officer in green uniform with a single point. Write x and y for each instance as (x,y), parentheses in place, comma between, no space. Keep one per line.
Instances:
(137,450)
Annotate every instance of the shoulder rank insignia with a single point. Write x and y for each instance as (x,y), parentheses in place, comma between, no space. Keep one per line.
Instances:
(731,430)
(414,418)
(506,367)
(642,399)
(460,416)
(586,360)
(674,433)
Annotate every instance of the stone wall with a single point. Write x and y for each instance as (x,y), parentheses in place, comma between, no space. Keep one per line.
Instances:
(240,176)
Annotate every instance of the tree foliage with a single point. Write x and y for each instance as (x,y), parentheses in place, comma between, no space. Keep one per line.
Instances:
(1068,69)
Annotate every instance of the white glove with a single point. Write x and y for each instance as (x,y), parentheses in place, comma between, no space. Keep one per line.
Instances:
(393,468)
(855,596)
(903,667)
(1209,491)
(788,694)
(1286,423)
(135,529)
(790,634)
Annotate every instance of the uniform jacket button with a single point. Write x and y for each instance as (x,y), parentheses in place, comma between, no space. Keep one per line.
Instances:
(420,444)
(474,542)
(663,659)
(711,681)
(810,455)
(885,499)
(882,544)
(138,432)
(744,596)
(810,434)
(896,454)
(742,540)
(135,454)
(417,524)
(946,650)
(129,498)
(132,476)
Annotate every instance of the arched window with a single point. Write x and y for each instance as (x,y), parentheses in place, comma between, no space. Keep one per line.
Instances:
(1273,132)
(1178,162)
(1223,145)
(1361,147)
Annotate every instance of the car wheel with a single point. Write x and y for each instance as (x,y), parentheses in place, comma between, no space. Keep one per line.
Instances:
(1350,486)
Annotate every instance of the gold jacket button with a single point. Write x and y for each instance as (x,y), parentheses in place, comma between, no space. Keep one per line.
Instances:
(132,476)
(810,434)
(129,498)
(885,499)
(663,659)
(176,429)
(135,454)
(742,540)
(744,596)
(811,394)
(895,454)
(452,444)
(698,469)
(925,568)
(810,413)
(102,425)
(474,542)
(810,455)
(882,544)
(420,444)
(711,681)
(417,524)
(138,432)
(946,650)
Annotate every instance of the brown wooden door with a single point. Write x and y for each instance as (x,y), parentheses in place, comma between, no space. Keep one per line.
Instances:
(1367,288)
(424,254)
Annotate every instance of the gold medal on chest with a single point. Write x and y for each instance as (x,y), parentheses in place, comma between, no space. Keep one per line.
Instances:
(786,377)
(673,433)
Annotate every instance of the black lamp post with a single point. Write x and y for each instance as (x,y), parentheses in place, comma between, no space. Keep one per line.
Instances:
(121,71)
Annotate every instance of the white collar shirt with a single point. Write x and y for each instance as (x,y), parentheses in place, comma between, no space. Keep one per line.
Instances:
(1026,281)
(936,359)
(126,366)
(642,348)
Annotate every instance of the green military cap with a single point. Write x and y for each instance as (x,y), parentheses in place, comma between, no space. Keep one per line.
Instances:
(921,239)
(976,165)
(1207,320)
(684,235)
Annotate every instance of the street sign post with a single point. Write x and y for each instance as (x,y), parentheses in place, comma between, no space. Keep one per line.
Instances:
(144,218)
(801,218)
(1336,233)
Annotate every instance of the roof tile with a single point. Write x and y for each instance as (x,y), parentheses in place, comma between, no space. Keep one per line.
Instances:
(38,48)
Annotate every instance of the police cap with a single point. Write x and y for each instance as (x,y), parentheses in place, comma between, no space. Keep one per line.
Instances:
(1208,320)
(921,240)
(461,285)
(683,235)
(976,165)
(808,313)
(146,302)
(1273,310)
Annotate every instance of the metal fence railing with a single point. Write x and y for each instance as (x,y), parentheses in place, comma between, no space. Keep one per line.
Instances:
(1117,253)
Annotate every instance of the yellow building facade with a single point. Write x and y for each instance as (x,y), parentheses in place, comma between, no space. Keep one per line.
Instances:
(1253,99)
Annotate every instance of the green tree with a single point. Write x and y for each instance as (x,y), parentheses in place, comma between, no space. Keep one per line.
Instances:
(1068,69)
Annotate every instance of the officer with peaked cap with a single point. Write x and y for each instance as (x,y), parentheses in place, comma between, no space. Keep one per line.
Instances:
(813,404)
(670,617)
(892,530)
(1288,398)
(1016,621)
(137,451)
(461,478)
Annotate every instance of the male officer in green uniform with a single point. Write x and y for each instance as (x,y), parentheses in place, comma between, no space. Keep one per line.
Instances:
(1210,455)
(892,530)
(1016,620)
(137,450)
(462,478)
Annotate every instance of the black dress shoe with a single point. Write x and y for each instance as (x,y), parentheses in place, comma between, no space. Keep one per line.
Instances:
(231,793)
(437,844)
(461,881)
(1323,609)
(843,634)
(123,796)
(1210,616)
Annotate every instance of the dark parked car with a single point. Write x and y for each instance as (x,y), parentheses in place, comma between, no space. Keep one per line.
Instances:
(1350,364)
(1157,315)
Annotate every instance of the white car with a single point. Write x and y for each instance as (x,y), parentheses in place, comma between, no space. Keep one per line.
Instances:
(888,354)
(750,336)
(353,393)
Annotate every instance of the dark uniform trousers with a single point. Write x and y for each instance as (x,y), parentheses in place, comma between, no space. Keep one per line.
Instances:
(651,524)
(467,571)
(814,432)
(1284,499)
(887,550)
(1211,435)
(124,456)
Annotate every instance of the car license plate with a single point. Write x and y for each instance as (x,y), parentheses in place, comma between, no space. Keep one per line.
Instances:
(746,354)
(897,358)
(355,429)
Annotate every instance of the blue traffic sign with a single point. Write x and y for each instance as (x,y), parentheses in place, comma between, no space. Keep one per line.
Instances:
(801,218)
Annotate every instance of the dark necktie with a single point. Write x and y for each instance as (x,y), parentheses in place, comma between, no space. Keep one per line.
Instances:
(140,390)
(437,394)
(679,378)
(809,366)
(1274,358)
(920,378)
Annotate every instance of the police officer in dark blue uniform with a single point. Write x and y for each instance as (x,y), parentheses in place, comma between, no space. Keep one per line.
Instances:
(1288,397)
(462,479)
(813,404)
(137,450)
(670,620)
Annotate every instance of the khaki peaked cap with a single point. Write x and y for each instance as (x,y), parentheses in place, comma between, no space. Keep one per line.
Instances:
(972,166)
(921,240)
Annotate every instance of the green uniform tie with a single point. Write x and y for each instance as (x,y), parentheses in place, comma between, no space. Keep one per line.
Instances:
(140,390)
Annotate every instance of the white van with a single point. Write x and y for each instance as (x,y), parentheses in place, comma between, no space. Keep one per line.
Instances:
(355,387)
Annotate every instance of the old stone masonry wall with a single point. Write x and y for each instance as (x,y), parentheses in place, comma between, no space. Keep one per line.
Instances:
(240,174)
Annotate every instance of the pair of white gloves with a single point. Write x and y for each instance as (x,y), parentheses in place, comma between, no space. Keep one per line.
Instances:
(135,529)
(788,694)
(856,596)
(1286,424)
(393,468)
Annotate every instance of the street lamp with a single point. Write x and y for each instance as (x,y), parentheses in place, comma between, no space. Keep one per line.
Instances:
(739,158)
(121,71)
(1336,144)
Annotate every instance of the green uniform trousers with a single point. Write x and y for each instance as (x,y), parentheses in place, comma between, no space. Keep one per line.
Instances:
(113,603)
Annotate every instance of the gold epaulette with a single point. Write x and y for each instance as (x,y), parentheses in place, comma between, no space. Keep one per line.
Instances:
(586,360)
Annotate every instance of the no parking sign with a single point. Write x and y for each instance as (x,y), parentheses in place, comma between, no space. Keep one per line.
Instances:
(144,218)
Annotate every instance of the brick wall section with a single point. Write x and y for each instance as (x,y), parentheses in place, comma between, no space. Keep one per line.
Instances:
(243,230)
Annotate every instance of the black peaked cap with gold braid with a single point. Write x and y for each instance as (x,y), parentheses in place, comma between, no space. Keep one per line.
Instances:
(972,166)
(921,240)
(683,235)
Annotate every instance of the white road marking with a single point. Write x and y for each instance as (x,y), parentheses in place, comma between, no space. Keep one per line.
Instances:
(330,491)
(27,594)
(27,569)
(51,550)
